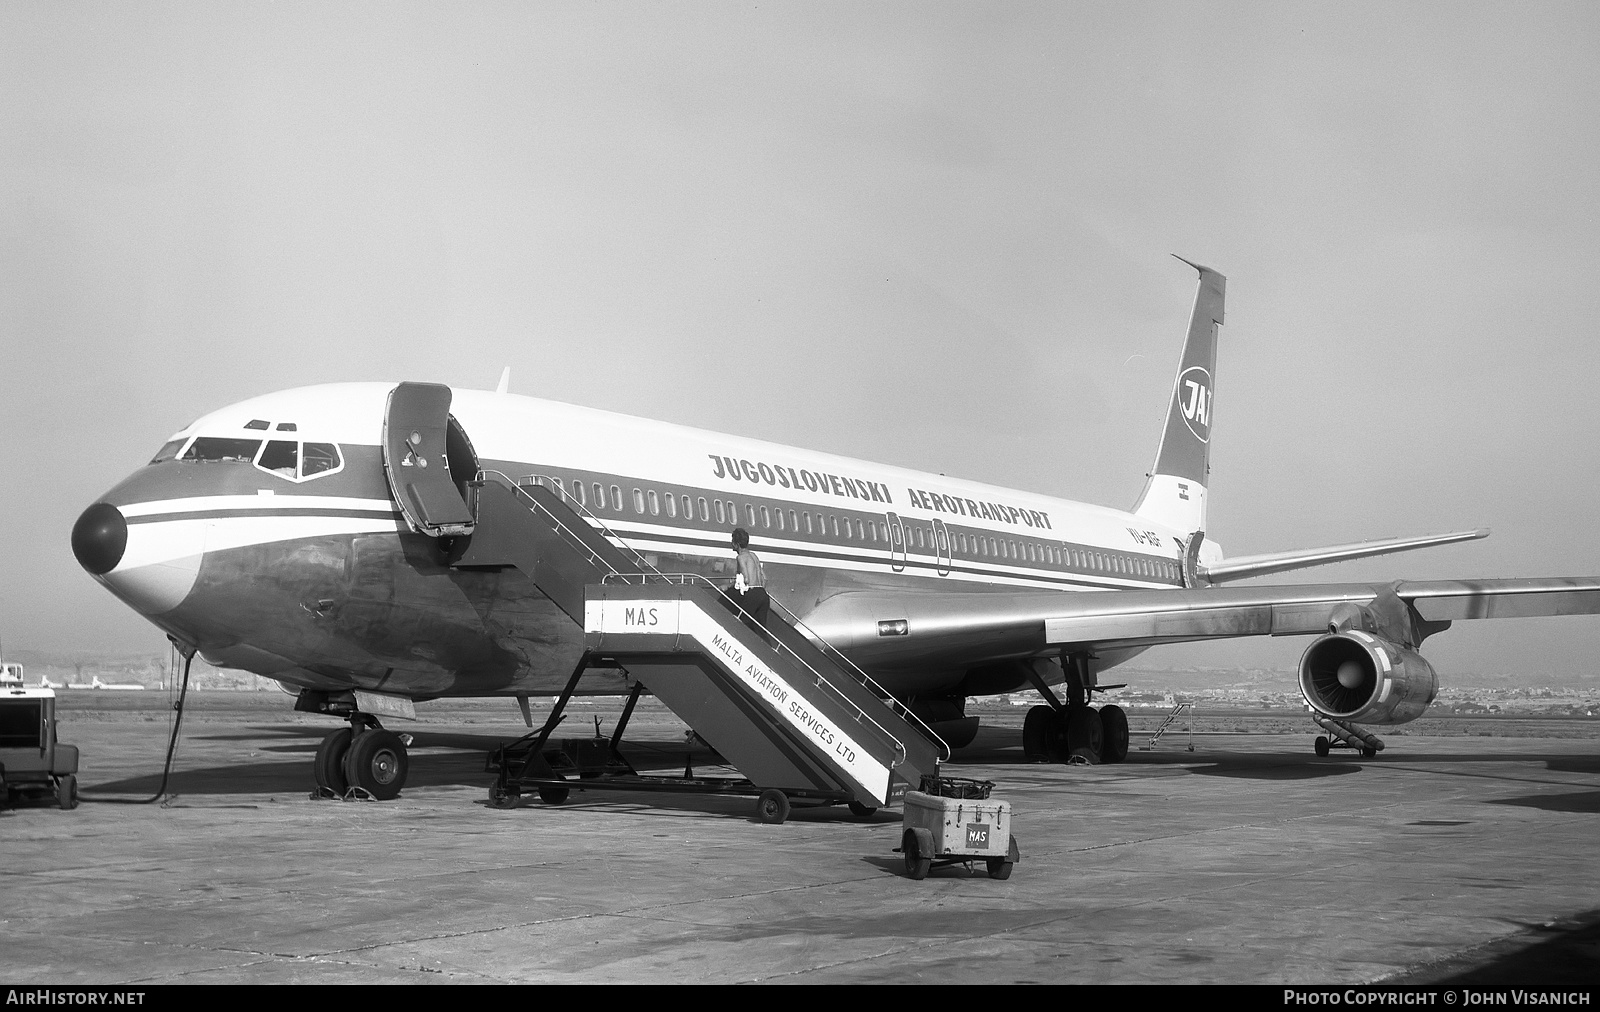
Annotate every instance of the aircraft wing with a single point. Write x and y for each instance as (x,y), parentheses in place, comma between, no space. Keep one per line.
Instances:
(903,630)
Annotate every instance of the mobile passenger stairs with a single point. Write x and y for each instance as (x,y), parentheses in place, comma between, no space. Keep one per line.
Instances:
(793,715)
(790,713)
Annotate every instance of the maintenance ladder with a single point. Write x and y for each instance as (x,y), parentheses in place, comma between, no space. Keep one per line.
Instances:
(791,713)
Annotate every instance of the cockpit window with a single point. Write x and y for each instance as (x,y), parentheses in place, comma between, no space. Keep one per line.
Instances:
(280,457)
(222,448)
(319,458)
(256,423)
(286,427)
(298,461)
(168,451)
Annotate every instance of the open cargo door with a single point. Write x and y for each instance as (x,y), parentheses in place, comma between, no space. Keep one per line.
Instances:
(419,437)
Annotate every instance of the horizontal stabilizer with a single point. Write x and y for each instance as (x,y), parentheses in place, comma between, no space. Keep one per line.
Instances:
(1281,562)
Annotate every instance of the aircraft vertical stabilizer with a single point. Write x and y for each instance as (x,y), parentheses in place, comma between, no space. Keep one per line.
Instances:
(1175,494)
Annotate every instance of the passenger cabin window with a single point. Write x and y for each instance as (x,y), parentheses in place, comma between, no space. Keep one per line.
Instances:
(672,505)
(616,498)
(577,491)
(655,503)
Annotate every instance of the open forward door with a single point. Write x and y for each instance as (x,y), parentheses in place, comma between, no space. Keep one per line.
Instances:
(419,439)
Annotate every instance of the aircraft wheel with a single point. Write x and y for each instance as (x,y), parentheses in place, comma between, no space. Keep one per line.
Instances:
(1038,728)
(328,766)
(917,863)
(1321,745)
(772,807)
(67,792)
(1369,753)
(377,763)
(861,811)
(1114,724)
(1085,734)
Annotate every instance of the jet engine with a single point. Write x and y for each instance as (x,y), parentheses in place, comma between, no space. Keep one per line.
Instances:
(1361,678)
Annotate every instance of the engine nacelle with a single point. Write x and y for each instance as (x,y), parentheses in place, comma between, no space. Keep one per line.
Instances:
(1365,679)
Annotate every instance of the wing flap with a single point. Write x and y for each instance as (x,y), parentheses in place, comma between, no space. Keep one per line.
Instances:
(1451,600)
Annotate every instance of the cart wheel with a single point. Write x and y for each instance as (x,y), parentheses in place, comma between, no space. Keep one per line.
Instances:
(1320,745)
(861,811)
(67,792)
(1000,867)
(917,863)
(772,807)
(553,795)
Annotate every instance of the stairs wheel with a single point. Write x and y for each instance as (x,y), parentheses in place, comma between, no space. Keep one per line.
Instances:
(772,807)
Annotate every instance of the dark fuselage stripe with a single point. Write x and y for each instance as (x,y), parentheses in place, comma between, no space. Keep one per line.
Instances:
(260,513)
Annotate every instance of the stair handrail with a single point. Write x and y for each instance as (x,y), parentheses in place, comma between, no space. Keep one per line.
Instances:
(866,680)
(605,531)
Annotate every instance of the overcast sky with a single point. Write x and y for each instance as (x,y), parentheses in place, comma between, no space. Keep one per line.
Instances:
(929,234)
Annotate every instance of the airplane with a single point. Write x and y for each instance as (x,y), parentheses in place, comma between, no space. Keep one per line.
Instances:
(269,536)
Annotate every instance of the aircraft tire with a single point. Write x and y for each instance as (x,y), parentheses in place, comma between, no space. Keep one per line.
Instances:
(1320,746)
(772,807)
(1114,724)
(328,766)
(1038,728)
(1085,734)
(377,763)
(862,811)
(554,795)
(1369,753)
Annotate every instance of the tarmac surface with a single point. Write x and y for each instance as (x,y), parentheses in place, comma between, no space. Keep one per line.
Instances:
(1466,852)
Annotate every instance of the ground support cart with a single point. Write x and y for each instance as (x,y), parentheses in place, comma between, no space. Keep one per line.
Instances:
(952,821)
(32,762)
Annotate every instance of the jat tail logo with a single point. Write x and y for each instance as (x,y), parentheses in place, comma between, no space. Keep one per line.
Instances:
(1194,400)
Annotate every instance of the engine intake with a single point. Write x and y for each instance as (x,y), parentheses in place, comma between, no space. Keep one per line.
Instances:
(1359,677)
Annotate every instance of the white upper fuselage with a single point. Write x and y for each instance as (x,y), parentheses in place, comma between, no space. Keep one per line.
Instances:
(674,492)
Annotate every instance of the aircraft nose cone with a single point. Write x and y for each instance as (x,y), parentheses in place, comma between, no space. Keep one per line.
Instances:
(99,538)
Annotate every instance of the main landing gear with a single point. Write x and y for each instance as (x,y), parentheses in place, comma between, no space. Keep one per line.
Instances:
(1074,731)
(361,761)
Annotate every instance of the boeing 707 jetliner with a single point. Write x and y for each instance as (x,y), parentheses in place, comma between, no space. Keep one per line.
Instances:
(315,536)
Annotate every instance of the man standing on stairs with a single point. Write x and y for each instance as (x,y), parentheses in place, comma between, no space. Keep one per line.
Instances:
(750,583)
